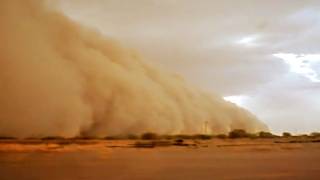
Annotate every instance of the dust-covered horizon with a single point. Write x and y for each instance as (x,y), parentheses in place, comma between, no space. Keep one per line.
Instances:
(60,78)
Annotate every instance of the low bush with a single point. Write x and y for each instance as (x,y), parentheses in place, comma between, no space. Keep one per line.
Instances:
(85,138)
(252,136)
(144,144)
(116,137)
(7,138)
(111,138)
(167,137)
(182,136)
(238,133)
(202,136)
(302,136)
(132,136)
(315,134)
(286,134)
(149,136)
(263,134)
(53,138)
(221,136)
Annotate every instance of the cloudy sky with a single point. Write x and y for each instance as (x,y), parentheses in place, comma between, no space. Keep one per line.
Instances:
(262,55)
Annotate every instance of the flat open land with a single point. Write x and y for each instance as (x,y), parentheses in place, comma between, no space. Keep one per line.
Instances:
(119,159)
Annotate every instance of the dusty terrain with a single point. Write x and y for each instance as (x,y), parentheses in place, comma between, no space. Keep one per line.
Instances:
(118,159)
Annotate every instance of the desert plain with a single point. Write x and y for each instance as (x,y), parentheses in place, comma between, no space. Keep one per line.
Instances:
(193,159)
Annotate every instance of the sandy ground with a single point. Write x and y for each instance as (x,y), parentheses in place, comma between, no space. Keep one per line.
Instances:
(108,160)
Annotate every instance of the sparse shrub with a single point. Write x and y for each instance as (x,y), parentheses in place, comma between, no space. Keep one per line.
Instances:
(202,136)
(238,133)
(85,138)
(302,136)
(110,138)
(221,136)
(252,136)
(7,138)
(144,144)
(149,136)
(162,143)
(53,138)
(32,138)
(183,136)
(152,144)
(286,134)
(179,141)
(116,137)
(263,134)
(132,136)
(168,137)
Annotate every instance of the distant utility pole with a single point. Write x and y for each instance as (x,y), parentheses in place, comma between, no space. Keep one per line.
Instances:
(206,127)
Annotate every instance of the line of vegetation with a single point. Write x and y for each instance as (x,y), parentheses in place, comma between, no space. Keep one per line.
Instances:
(234,134)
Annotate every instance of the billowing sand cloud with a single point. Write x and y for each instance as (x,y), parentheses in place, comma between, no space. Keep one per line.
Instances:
(59,78)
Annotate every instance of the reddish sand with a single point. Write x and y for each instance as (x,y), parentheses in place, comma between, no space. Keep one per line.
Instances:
(105,160)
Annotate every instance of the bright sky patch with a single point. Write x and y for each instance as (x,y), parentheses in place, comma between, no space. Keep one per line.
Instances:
(302,64)
(248,40)
(238,100)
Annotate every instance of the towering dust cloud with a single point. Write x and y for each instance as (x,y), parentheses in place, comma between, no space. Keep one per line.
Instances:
(59,78)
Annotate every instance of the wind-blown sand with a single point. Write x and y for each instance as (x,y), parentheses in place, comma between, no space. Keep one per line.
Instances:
(213,159)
